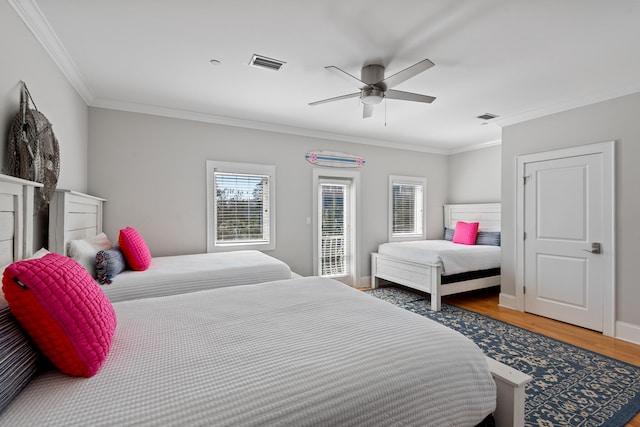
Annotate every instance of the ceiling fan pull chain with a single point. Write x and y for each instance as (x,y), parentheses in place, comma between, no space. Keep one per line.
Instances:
(385,112)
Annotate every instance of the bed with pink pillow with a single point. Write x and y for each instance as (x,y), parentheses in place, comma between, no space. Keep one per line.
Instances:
(467,258)
(125,267)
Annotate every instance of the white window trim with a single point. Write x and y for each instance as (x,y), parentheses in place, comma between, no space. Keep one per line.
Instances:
(409,180)
(239,168)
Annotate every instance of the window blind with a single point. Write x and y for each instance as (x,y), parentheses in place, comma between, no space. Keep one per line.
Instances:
(242,208)
(407,209)
(334,257)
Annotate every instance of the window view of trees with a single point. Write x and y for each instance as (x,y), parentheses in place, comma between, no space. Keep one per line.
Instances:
(242,203)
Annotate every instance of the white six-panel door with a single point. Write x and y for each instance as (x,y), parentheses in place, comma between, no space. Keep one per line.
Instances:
(567,237)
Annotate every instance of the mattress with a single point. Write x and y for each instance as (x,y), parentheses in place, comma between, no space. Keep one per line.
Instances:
(454,258)
(172,275)
(307,351)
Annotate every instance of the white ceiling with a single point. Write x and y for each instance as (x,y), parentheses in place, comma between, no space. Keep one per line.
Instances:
(518,59)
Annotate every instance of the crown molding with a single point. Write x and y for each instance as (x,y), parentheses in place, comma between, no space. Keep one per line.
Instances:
(35,21)
(249,124)
(476,147)
(567,105)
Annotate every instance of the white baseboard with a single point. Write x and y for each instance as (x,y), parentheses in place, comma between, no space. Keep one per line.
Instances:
(364,282)
(508,301)
(628,332)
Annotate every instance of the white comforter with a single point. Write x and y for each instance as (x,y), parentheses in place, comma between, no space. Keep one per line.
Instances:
(453,257)
(307,351)
(171,275)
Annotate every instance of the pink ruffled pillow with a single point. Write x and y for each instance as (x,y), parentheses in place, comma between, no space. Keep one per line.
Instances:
(134,249)
(63,310)
(466,233)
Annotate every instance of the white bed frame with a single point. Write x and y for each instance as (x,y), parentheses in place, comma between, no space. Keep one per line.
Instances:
(76,215)
(426,277)
(16,218)
(73,215)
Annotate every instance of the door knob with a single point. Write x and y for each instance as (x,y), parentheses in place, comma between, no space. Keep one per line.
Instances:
(596,248)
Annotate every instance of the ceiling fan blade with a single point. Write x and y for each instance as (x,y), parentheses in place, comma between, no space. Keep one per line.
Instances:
(407,73)
(367,110)
(337,98)
(348,77)
(408,96)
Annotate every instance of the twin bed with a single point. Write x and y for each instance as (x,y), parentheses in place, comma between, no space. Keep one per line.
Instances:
(74,216)
(440,267)
(304,351)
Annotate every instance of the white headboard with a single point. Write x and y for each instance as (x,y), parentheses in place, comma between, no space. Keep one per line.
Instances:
(16,218)
(73,215)
(487,214)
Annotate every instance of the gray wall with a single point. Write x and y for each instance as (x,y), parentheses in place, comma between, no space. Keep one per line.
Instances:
(23,58)
(152,171)
(614,120)
(474,176)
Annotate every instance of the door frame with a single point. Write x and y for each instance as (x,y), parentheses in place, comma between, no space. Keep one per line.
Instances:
(354,177)
(607,150)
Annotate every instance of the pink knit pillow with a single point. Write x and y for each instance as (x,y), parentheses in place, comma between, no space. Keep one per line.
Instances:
(465,233)
(63,310)
(134,249)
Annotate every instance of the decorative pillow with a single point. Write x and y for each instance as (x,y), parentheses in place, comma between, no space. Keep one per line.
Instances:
(84,251)
(63,310)
(448,233)
(109,264)
(18,357)
(465,233)
(39,253)
(489,238)
(134,249)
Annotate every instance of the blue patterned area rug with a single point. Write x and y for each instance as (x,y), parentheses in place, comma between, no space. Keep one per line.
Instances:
(571,386)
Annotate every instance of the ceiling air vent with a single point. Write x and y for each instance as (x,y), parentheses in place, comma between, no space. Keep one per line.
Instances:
(267,63)
(487,116)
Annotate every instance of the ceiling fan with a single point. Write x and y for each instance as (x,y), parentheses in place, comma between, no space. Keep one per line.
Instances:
(374,87)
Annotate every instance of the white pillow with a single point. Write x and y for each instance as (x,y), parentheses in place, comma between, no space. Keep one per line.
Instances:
(39,253)
(84,251)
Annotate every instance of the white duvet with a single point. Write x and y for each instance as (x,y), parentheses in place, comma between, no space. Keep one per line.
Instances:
(307,351)
(453,257)
(171,275)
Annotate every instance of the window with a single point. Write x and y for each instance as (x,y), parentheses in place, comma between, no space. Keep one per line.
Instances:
(406,208)
(336,204)
(240,206)
(334,236)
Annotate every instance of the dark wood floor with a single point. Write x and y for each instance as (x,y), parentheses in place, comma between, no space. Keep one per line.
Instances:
(486,302)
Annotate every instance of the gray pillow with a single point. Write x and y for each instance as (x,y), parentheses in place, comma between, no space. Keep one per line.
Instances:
(448,233)
(489,238)
(109,263)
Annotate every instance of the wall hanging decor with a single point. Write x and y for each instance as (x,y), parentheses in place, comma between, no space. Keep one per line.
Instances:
(334,159)
(33,151)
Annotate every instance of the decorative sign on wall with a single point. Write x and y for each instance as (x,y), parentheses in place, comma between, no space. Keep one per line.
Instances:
(334,159)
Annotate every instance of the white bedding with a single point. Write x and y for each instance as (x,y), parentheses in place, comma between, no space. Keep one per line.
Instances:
(172,275)
(453,257)
(307,351)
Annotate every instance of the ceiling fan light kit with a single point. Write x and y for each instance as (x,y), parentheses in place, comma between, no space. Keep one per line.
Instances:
(374,87)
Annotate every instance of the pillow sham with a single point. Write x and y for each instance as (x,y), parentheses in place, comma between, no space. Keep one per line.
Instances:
(448,233)
(134,249)
(109,264)
(465,233)
(488,238)
(84,251)
(39,253)
(63,310)
(18,357)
